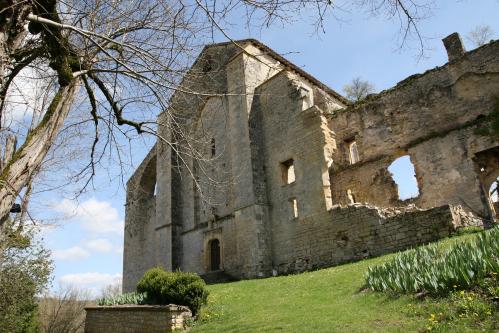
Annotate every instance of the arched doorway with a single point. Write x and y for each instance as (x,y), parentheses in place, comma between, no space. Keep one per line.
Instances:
(215,260)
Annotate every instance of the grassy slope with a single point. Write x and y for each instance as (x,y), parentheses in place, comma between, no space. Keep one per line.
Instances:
(326,300)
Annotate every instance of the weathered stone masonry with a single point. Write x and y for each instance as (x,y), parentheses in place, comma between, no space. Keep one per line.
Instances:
(136,319)
(292,176)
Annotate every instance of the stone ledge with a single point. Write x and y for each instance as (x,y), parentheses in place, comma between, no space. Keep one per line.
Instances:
(133,307)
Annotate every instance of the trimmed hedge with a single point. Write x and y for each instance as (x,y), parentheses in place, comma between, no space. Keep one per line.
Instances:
(163,287)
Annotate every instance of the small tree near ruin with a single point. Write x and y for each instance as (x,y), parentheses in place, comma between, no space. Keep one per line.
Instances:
(358,89)
(481,35)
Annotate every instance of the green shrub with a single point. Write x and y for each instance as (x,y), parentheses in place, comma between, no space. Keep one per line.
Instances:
(179,288)
(430,269)
(25,268)
(128,298)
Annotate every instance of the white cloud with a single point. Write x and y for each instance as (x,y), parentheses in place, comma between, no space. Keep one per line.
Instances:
(72,253)
(90,278)
(99,245)
(91,281)
(99,217)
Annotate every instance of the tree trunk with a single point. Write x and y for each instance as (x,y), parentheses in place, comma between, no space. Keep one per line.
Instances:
(26,161)
(13,15)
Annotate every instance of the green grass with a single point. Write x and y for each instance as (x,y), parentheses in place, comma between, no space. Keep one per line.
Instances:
(327,300)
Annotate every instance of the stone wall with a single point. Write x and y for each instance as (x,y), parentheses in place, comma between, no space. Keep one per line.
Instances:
(320,235)
(136,319)
(432,117)
(355,232)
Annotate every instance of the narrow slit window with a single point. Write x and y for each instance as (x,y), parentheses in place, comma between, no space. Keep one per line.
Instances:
(293,208)
(351,197)
(353,152)
(213,148)
(288,172)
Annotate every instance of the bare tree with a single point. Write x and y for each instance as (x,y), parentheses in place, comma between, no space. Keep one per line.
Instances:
(481,35)
(64,311)
(111,290)
(358,89)
(119,62)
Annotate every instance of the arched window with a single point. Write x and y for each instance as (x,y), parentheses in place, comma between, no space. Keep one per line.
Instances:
(494,197)
(147,187)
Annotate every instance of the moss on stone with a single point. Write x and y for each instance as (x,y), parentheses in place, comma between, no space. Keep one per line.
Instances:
(490,127)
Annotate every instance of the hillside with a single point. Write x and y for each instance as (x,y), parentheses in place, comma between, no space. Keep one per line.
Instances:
(327,300)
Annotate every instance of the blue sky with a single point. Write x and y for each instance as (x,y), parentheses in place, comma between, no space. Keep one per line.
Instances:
(87,243)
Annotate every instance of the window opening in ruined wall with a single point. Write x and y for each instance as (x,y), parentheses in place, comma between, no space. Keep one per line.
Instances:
(288,172)
(404,175)
(306,97)
(353,152)
(351,197)
(293,208)
(494,197)
(493,193)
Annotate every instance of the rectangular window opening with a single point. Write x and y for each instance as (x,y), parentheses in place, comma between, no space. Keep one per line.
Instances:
(353,152)
(306,97)
(288,172)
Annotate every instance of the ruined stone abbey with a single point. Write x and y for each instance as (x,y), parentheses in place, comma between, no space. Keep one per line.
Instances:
(262,170)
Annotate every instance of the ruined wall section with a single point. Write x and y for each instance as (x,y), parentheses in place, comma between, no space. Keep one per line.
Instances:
(431,117)
(344,234)
(140,223)
(293,133)
(369,182)
(447,172)
(290,126)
